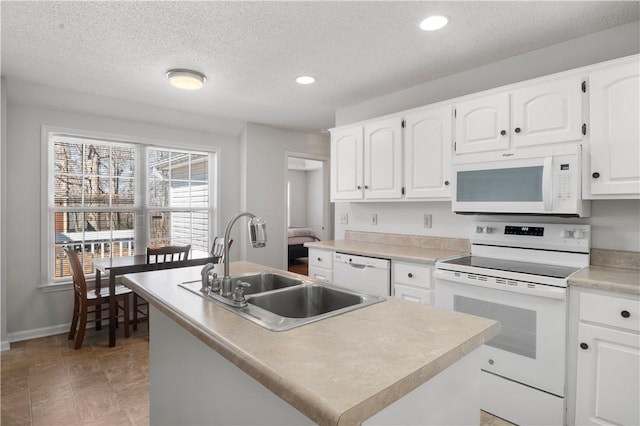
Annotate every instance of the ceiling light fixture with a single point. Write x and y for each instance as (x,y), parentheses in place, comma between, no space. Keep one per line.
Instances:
(305,79)
(186,79)
(434,22)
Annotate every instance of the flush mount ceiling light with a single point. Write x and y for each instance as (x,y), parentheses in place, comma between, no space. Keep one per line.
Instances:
(186,79)
(434,22)
(305,79)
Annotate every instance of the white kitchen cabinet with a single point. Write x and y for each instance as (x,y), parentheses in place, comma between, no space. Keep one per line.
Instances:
(427,153)
(533,115)
(607,386)
(412,281)
(383,159)
(614,162)
(366,162)
(321,264)
(347,164)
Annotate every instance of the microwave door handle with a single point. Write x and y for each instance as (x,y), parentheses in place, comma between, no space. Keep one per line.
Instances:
(547,190)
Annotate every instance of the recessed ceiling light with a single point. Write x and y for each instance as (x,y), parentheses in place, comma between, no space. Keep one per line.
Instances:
(434,22)
(305,79)
(186,79)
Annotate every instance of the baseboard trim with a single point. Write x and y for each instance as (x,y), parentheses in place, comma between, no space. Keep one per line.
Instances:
(38,332)
(4,345)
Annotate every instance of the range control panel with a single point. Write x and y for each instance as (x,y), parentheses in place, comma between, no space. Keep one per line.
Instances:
(570,237)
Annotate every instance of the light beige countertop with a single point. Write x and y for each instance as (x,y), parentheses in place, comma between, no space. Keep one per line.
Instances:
(427,255)
(620,280)
(340,370)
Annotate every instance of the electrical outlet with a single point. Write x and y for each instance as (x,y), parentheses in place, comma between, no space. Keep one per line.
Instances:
(427,221)
(344,219)
(374,219)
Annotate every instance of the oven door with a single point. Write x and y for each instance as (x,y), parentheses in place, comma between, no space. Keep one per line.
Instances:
(530,349)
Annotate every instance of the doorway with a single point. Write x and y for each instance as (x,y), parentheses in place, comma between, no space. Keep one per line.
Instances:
(307,210)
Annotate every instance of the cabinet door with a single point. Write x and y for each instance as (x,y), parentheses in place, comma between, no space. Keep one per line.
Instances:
(347,164)
(608,389)
(615,134)
(427,154)
(383,159)
(413,294)
(480,124)
(548,113)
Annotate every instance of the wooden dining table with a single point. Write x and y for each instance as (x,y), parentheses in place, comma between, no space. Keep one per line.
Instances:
(116,266)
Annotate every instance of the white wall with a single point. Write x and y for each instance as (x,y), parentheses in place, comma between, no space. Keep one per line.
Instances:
(616,224)
(4,343)
(298,198)
(315,192)
(31,310)
(266,165)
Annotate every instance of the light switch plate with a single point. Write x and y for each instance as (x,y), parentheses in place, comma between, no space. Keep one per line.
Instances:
(344,218)
(374,219)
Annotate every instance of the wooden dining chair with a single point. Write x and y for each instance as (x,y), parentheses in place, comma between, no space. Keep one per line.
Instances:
(217,249)
(165,254)
(87,302)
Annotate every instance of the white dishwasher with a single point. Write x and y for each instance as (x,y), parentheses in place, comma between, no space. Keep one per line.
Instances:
(365,274)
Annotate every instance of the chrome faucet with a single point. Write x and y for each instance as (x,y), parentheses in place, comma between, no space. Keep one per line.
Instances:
(258,238)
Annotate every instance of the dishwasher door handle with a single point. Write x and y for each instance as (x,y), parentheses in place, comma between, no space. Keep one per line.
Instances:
(358,265)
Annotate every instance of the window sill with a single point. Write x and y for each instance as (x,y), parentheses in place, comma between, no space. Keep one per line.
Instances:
(62,286)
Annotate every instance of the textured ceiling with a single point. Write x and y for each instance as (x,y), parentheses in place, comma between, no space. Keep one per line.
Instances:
(251,51)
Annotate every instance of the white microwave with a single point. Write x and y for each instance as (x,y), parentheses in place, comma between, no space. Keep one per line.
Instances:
(537,185)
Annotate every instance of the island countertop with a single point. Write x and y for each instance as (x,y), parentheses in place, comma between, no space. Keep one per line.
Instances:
(341,370)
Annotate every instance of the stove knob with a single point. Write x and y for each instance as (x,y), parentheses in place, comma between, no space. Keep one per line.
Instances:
(578,233)
(488,229)
(479,229)
(565,233)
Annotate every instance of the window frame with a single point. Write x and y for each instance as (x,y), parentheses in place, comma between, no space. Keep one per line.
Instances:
(140,208)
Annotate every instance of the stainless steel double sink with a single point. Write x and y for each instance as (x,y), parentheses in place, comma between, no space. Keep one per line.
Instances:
(279,302)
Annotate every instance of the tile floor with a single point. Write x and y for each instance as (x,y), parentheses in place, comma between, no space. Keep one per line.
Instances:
(46,382)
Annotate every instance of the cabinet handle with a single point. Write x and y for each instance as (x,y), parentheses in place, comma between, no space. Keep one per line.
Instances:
(410,275)
(625,314)
(584,346)
(595,175)
(446,183)
(503,132)
(517,129)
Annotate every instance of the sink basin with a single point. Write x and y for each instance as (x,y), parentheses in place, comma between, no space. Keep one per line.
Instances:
(280,302)
(305,301)
(265,281)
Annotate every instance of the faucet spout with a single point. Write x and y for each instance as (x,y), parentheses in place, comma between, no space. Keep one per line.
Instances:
(258,236)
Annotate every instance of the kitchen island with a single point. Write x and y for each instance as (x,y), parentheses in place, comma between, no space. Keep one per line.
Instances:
(394,362)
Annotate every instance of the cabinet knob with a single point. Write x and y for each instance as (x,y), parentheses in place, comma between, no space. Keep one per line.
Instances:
(491,362)
(625,314)
(366,187)
(517,129)
(359,187)
(319,259)
(595,175)
(410,275)
(503,132)
(446,183)
(584,346)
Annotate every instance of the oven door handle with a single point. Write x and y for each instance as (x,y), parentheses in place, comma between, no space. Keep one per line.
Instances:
(540,290)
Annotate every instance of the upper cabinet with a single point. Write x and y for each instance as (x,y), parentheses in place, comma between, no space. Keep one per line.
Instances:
(347,164)
(383,159)
(614,162)
(427,153)
(532,115)
(366,162)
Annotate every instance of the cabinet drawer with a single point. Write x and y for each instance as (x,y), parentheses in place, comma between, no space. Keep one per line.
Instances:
(623,312)
(412,274)
(320,258)
(413,294)
(321,274)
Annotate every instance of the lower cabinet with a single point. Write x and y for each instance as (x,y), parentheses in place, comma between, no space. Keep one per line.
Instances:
(321,264)
(607,361)
(412,281)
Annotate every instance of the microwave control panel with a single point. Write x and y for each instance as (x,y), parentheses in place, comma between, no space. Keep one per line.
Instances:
(565,183)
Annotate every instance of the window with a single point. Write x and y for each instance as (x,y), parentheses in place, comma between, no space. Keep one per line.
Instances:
(107,198)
